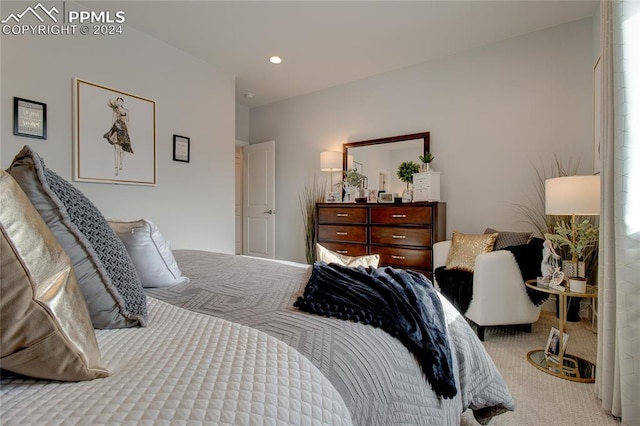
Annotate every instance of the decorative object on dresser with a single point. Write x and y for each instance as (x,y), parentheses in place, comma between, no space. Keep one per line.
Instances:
(426,159)
(426,186)
(405,173)
(401,234)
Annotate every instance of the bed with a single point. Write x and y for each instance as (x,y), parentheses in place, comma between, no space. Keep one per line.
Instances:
(84,341)
(183,368)
(378,378)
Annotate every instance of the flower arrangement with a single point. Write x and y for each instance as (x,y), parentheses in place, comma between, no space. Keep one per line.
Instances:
(406,170)
(586,237)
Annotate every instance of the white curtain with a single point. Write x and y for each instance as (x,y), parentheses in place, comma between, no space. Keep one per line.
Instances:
(618,363)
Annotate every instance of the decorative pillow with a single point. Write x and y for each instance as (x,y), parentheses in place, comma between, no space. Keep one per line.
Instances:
(508,239)
(466,247)
(150,252)
(105,272)
(328,256)
(46,330)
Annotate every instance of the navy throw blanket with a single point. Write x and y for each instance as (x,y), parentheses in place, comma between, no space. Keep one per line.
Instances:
(402,303)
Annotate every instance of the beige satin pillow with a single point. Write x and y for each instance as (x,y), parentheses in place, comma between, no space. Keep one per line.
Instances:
(466,247)
(46,329)
(325,255)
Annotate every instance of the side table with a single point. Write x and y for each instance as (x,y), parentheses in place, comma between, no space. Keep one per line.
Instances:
(569,367)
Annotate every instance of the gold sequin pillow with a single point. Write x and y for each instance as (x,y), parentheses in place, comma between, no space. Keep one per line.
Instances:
(466,247)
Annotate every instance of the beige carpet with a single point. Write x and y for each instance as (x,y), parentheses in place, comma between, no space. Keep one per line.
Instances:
(542,399)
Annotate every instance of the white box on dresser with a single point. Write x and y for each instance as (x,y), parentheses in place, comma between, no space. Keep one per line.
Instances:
(426,186)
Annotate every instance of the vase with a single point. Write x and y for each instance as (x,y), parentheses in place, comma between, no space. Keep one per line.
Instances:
(425,167)
(407,196)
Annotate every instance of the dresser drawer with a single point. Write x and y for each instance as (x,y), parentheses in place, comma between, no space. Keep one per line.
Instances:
(401,215)
(346,249)
(403,257)
(342,215)
(356,234)
(403,236)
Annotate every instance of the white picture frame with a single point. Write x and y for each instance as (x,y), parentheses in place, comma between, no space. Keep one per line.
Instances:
(333,197)
(553,342)
(385,197)
(372,196)
(114,136)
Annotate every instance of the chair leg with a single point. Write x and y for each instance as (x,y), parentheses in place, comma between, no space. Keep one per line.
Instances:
(480,332)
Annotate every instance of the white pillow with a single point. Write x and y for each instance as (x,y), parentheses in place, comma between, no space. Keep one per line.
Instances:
(328,256)
(150,252)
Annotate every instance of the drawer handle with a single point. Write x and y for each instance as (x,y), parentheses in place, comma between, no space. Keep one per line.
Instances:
(398,215)
(341,233)
(399,237)
(342,251)
(342,214)
(393,256)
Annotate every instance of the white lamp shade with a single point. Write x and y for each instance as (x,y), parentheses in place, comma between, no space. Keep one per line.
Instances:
(579,195)
(330,161)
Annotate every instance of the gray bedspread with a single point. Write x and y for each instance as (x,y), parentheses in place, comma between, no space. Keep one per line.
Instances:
(379,379)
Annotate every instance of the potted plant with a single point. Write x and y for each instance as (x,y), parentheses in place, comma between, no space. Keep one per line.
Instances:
(426,159)
(580,239)
(405,173)
(353,181)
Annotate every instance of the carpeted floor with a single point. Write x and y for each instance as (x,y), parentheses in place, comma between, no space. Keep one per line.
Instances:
(542,399)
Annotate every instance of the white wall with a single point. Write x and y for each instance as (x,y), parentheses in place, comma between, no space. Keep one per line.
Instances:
(492,113)
(193,203)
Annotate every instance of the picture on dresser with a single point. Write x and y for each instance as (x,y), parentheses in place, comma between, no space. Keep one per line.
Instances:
(385,197)
(373,196)
(333,197)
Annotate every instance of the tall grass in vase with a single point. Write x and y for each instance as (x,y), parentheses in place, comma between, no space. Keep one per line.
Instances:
(534,213)
(312,193)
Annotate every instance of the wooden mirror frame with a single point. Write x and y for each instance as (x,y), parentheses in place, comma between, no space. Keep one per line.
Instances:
(345,147)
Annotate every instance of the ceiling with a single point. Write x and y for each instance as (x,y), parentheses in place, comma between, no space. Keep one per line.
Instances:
(327,43)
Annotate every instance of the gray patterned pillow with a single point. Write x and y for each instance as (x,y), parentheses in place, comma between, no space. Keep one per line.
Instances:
(105,271)
(508,239)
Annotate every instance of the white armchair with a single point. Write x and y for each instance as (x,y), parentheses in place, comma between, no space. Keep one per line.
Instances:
(499,294)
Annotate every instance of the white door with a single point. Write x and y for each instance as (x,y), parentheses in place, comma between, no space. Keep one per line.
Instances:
(259,209)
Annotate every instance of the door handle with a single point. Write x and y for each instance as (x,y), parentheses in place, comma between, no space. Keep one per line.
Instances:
(270,211)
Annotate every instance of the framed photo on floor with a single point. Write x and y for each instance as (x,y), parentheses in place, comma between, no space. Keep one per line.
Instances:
(114,136)
(553,342)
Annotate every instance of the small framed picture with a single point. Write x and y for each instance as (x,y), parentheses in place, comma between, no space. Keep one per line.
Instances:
(333,197)
(553,342)
(372,196)
(181,148)
(385,197)
(29,118)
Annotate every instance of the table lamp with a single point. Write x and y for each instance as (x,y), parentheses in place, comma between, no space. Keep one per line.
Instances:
(573,195)
(331,161)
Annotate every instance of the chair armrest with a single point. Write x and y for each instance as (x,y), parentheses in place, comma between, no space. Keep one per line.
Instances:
(440,253)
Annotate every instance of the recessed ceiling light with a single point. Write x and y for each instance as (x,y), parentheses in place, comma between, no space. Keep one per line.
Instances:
(275,59)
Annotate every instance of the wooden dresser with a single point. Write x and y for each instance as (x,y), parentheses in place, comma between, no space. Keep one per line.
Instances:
(402,234)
